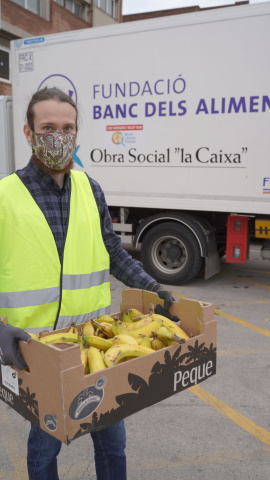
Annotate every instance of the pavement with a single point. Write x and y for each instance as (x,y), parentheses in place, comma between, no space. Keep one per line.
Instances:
(217,430)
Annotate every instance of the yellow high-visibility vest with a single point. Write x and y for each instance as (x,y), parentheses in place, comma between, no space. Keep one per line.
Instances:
(36,291)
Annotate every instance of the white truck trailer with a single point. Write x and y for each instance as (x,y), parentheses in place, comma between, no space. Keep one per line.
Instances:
(174,125)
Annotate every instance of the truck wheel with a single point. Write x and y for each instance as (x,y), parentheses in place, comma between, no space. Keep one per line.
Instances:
(170,253)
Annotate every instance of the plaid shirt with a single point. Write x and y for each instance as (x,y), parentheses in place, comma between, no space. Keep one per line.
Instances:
(54,203)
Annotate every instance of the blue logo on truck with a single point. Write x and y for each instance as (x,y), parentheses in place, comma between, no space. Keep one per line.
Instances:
(62,82)
(34,40)
(29,41)
(266,185)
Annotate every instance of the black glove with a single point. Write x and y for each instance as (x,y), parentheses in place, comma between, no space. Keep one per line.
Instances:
(166,296)
(165,313)
(168,299)
(9,352)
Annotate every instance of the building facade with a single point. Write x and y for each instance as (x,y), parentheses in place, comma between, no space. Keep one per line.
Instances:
(28,18)
(174,11)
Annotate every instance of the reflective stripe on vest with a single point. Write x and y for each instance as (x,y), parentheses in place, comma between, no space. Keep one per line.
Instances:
(30,270)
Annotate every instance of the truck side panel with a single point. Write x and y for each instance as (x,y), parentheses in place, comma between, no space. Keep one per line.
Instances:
(174,112)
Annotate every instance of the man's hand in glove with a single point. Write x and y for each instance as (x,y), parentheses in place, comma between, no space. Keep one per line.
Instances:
(9,352)
(168,299)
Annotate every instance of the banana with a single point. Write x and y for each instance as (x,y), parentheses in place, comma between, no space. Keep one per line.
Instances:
(102,353)
(156,343)
(168,343)
(4,320)
(59,338)
(84,360)
(97,342)
(33,335)
(80,340)
(120,327)
(123,338)
(171,325)
(100,334)
(88,329)
(95,360)
(105,318)
(105,327)
(71,329)
(140,322)
(164,332)
(125,317)
(141,317)
(135,325)
(145,342)
(133,313)
(119,352)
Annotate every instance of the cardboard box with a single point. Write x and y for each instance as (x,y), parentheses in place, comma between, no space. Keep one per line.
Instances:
(56,395)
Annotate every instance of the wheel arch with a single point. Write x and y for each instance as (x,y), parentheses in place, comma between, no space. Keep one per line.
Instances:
(194,225)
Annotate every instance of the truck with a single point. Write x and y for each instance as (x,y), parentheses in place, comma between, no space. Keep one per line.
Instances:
(174,125)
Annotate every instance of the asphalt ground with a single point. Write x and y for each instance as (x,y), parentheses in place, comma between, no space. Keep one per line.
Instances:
(217,430)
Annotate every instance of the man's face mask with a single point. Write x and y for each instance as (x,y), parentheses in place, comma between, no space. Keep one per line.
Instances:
(54,149)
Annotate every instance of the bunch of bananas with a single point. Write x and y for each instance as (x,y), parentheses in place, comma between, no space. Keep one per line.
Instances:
(107,340)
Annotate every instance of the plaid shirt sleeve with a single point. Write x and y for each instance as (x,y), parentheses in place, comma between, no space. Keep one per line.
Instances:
(122,265)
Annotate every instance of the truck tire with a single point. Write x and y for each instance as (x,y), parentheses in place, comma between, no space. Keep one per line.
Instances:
(170,253)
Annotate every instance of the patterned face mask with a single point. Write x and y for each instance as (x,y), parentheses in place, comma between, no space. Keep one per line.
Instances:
(54,149)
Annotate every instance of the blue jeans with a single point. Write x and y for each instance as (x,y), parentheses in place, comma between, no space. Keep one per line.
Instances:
(109,448)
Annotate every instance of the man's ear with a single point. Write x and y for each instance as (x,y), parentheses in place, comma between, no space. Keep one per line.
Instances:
(27,132)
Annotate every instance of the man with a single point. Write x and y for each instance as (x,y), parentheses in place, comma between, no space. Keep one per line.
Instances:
(58,249)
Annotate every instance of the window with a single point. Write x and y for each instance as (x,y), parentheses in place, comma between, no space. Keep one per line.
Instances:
(74,7)
(102,4)
(4,64)
(110,7)
(106,5)
(32,5)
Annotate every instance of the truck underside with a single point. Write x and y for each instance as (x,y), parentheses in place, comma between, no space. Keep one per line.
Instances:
(176,245)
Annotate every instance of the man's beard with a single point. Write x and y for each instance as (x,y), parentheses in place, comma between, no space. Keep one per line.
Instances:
(49,170)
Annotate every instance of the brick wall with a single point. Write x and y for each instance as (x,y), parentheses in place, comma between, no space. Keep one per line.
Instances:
(5,88)
(61,19)
(159,13)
